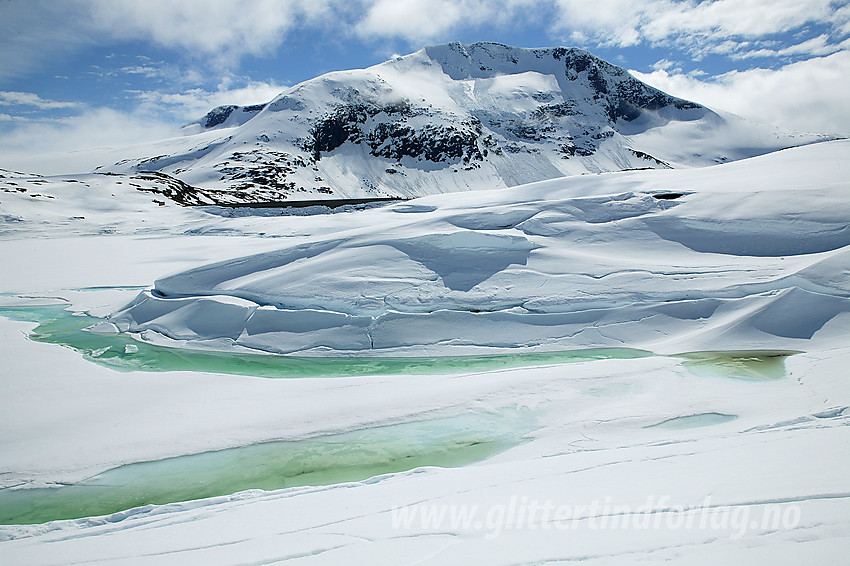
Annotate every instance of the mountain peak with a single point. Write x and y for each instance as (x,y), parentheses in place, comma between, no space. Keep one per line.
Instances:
(486,59)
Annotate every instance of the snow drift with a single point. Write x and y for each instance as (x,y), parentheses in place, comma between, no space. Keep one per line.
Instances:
(745,255)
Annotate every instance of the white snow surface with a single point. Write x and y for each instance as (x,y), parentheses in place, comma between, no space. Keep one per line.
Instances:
(753,255)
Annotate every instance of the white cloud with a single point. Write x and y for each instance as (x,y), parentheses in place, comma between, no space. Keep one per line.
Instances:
(412,19)
(666,65)
(614,22)
(188,105)
(224,29)
(842,19)
(148,71)
(620,23)
(417,20)
(222,32)
(701,27)
(817,46)
(68,140)
(33,32)
(808,96)
(16,98)
(742,18)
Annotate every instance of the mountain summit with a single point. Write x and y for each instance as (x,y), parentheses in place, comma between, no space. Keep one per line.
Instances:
(447,118)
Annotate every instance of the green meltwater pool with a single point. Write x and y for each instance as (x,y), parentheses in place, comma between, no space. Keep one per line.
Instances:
(325,460)
(758,365)
(124,353)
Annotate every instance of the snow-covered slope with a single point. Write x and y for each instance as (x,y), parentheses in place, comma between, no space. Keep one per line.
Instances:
(449,118)
(55,206)
(745,255)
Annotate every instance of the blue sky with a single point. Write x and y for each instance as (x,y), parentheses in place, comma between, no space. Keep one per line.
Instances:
(77,74)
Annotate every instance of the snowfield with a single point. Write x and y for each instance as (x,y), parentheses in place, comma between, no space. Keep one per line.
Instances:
(683,453)
(678,260)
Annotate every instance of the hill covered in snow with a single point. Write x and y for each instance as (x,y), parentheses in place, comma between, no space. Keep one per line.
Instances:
(743,255)
(448,118)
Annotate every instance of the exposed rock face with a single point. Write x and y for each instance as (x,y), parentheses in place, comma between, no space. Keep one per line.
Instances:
(219,116)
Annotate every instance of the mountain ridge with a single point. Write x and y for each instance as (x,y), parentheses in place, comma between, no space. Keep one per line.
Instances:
(447,118)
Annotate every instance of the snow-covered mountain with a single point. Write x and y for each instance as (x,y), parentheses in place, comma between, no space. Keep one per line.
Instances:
(449,118)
